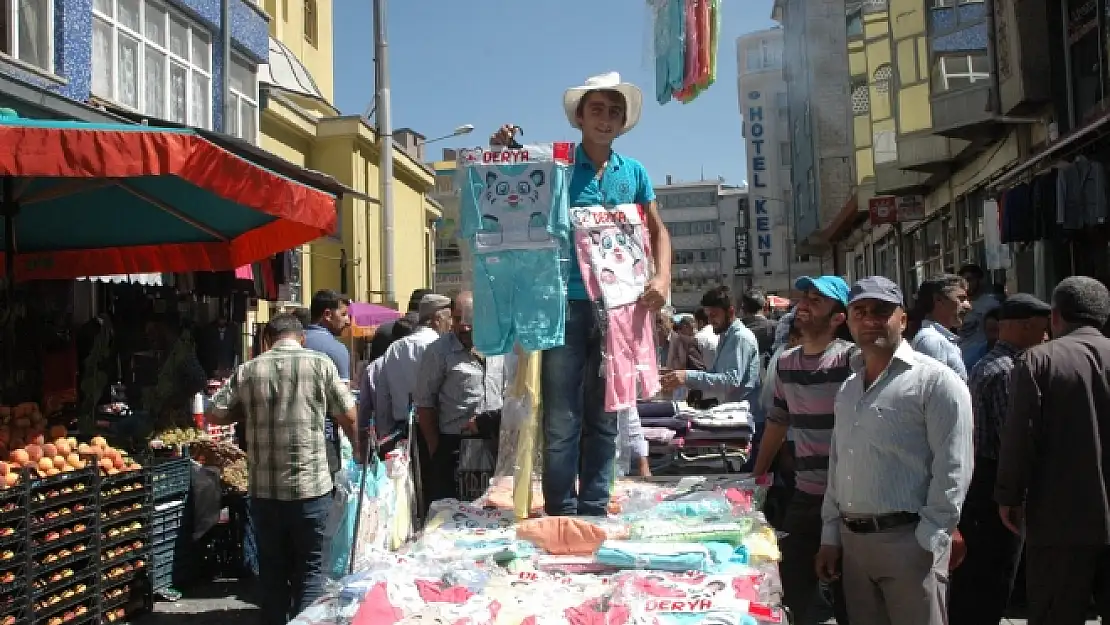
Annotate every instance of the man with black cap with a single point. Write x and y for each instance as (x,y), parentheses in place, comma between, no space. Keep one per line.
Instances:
(401,362)
(1052,468)
(899,467)
(981,586)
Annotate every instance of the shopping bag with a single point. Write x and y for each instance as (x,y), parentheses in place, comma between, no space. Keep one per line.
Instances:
(372,525)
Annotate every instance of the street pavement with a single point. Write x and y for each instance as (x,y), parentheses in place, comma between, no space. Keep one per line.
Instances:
(220,602)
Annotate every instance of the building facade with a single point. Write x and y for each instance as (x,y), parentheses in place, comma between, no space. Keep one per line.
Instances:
(453,269)
(300,124)
(961,110)
(763,97)
(815,67)
(156,59)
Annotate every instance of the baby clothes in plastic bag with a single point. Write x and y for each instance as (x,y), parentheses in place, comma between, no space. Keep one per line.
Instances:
(513,213)
(660,598)
(658,556)
(613,256)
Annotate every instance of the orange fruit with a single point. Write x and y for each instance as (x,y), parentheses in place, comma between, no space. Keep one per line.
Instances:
(49,450)
(106,464)
(34,452)
(98,441)
(59,463)
(20,457)
(11,479)
(45,464)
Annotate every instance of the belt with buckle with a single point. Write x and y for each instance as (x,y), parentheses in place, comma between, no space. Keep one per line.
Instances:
(879,522)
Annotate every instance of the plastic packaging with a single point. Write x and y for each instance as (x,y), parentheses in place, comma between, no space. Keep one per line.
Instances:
(513,216)
(372,526)
(614,256)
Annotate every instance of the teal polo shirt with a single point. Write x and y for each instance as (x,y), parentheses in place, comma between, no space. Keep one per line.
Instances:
(625,181)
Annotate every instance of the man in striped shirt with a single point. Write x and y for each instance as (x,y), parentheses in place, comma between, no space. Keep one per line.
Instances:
(807,379)
(283,398)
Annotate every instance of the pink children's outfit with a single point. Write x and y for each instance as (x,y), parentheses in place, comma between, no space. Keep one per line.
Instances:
(615,259)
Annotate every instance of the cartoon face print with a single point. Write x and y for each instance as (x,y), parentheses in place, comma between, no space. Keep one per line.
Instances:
(613,245)
(512,193)
(608,276)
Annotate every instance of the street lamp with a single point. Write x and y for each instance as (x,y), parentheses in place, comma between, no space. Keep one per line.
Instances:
(465,129)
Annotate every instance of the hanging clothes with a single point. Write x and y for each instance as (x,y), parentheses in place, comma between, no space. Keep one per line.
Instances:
(670,48)
(614,257)
(1081,191)
(686,37)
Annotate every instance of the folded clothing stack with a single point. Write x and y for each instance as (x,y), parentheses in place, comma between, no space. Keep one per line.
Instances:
(732,416)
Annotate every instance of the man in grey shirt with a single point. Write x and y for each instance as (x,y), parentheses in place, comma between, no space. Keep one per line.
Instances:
(899,468)
(458,393)
(941,306)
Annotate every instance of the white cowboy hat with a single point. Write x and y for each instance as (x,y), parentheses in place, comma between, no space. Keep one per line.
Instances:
(633,98)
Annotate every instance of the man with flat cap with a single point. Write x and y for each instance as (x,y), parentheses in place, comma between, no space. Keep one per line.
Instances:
(899,466)
(981,586)
(1053,468)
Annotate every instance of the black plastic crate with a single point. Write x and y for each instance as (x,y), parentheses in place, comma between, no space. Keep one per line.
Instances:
(171,478)
(167,521)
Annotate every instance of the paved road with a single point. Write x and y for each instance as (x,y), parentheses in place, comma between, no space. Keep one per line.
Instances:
(217,603)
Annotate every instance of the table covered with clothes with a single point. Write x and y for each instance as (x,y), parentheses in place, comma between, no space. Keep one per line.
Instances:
(696,551)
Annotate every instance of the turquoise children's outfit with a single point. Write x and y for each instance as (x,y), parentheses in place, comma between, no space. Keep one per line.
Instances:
(514,214)
(670,47)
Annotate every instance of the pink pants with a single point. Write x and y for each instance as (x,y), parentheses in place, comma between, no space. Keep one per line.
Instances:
(629,356)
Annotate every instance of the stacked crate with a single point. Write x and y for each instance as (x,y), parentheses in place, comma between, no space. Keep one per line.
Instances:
(124,561)
(62,548)
(170,482)
(14,555)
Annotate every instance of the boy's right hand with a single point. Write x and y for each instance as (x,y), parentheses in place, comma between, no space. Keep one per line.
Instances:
(505,135)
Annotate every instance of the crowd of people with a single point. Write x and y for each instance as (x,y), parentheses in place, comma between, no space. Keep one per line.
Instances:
(917,451)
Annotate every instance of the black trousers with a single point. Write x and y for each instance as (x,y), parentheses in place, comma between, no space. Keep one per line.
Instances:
(980,588)
(1062,581)
(438,470)
(802,524)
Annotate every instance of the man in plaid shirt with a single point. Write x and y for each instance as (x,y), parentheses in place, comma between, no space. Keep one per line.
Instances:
(283,398)
(981,586)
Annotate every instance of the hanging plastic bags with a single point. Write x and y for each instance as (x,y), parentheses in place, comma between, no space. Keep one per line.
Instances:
(372,526)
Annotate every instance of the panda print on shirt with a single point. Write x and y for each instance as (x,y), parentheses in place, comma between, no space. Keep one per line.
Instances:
(515,202)
(612,252)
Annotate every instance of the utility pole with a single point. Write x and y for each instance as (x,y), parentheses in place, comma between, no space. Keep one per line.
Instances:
(385,144)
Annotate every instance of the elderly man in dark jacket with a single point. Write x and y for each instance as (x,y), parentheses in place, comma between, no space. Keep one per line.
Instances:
(1053,470)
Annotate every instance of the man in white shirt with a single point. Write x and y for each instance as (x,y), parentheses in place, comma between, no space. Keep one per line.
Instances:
(401,362)
(706,338)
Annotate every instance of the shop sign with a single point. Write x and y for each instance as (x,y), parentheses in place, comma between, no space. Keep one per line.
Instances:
(765,254)
(889,209)
(743,253)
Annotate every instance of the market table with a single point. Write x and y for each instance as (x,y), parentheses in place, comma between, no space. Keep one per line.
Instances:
(690,550)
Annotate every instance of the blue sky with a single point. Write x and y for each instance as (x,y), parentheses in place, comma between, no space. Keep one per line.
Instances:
(489,62)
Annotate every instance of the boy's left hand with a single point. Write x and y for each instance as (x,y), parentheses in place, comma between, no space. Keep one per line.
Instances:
(655,294)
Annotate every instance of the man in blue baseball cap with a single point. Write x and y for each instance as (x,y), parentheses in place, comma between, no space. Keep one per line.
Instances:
(804,393)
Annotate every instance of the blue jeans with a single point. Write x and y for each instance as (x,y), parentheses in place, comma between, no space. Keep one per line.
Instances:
(580,438)
(290,537)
